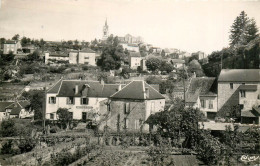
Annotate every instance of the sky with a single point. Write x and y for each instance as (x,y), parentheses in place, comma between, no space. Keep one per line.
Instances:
(189,25)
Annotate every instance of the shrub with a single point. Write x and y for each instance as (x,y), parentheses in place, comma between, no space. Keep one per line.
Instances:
(84,67)
(7,147)
(26,145)
(8,128)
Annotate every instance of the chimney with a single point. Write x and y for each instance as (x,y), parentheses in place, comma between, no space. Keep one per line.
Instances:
(76,89)
(146,92)
(102,81)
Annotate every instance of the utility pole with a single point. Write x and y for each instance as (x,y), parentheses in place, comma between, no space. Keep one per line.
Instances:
(183,81)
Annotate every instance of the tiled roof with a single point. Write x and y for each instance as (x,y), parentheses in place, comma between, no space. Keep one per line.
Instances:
(247,114)
(136,90)
(17,107)
(55,88)
(59,54)
(4,104)
(87,50)
(135,54)
(203,86)
(177,61)
(66,88)
(248,87)
(11,42)
(239,75)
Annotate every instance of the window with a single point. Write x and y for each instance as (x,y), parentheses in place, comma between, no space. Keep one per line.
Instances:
(210,104)
(137,124)
(86,57)
(202,102)
(84,101)
(258,96)
(51,116)
(70,100)
(243,93)
(243,83)
(126,123)
(127,108)
(231,85)
(52,100)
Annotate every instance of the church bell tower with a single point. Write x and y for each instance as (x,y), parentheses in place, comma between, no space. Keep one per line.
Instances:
(105,31)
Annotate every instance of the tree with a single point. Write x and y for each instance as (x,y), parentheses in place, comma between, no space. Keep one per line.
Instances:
(2,41)
(243,30)
(112,55)
(8,128)
(37,99)
(165,66)
(16,37)
(34,56)
(64,117)
(163,53)
(25,41)
(153,64)
(194,66)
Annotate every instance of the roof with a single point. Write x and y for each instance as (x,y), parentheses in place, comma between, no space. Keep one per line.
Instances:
(59,54)
(215,126)
(66,88)
(11,42)
(135,54)
(136,90)
(247,114)
(17,107)
(248,87)
(239,75)
(87,50)
(4,104)
(200,86)
(177,61)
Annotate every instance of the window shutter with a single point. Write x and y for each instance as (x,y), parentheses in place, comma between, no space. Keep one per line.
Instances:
(49,100)
(54,100)
(87,101)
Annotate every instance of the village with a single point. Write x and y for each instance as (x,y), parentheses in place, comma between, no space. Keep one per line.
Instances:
(83,103)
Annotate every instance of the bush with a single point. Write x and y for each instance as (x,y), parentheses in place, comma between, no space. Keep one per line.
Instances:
(7,147)
(26,145)
(8,128)
(84,67)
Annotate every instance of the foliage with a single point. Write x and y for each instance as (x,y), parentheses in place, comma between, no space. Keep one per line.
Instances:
(195,67)
(16,37)
(242,31)
(64,117)
(35,56)
(37,99)
(59,69)
(26,144)
(153,64)
(8,128)
(85,67)
(165,66)
(7,147)
(112,54)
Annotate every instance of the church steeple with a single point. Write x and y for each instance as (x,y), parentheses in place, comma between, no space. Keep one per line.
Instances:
(105,31)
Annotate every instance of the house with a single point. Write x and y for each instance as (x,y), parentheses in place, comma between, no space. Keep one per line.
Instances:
(134,60)
(12,46)
(130,39)
(84,99)
(202,94)
(84,56)
(200,55)
(56,57)
(130,107)
(229,82)
(18,109)
(130,47)
(177,63)
(3,113)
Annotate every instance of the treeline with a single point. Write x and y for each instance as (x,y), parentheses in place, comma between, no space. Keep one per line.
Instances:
(243,51)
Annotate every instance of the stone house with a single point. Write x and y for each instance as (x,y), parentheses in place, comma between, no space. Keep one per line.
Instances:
(130,107)
(202,94)
(11,46)
(84,56)
(82,98)
(135,60)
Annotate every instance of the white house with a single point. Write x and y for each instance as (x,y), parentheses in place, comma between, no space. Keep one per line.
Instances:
(56,57)
(84,56)
(134,60)
(82,98)
(12,46)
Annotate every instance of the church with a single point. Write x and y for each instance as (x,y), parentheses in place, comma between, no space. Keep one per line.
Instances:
(105,31)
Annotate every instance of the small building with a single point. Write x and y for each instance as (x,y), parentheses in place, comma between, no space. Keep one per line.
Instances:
(3,113)
(18,109)
(12,46)
(199,55)
(84,56)
(130,47)
(56,57)
(202,94)
(134,60)
(130,107)
(177,63)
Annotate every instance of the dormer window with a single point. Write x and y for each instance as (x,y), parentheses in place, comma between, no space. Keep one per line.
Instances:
(231,85)
(70,100)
